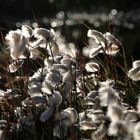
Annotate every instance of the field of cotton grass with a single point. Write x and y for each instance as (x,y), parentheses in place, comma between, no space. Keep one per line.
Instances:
(49,89)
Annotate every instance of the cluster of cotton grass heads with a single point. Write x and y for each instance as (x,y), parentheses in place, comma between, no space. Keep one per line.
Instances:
(50,91)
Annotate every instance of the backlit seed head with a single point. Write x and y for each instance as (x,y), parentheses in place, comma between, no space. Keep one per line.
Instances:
(42,33)
(68,116)
(92,67)
(138,105)
(46,88)
(27,31)
(115,113)
(111,39)
(136,132)
(136,63)
(87,125)
(16,43)
(98,36)
(56,98)
(13,68)
(95,51)
(134,73)
(118,129)
(100,132)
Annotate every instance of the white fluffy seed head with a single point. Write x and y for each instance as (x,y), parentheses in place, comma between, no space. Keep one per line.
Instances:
(136,63)
(98,36)
(42,33)
(92,67)
(13,36)
(136,132)
(53,77)
(134,73)
(94,51)
(108,96)
(118,129)
(13,68)
(115,113)
(68,116)
(26,31)
(138,105)
(100,133)
(111,39)
(113,49)
(46,88)
(57,98)
(87,125)
(16,43)
(107,83)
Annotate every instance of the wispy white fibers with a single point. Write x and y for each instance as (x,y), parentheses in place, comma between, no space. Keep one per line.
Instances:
(94,51)
(46,88)
(136,63)
(130,116)
(54,77)
(67,60)
(107,83)
(103,43)
(44,37)
(56,98)
(115,113)
(96,116)
(92,94)
(44,34)
(34,87)
(53,48)
(36,99)
(91,99)
(108,96)
(65,118)
(87,125)
(98,43)
(98,36)
(118,129)
(2,136)
(66,89)
(112,43)
(111,39)
(138,105)
(2,94)
(16,43)
(100,133)
(27,31)
(134,72)
(136,132)
(48,62)
(13,67)
(92,67)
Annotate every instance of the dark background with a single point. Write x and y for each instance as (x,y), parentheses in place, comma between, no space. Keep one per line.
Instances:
(49,7)
(13,11)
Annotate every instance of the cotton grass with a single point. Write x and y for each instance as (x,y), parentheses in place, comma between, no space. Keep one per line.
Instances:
(50,90)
